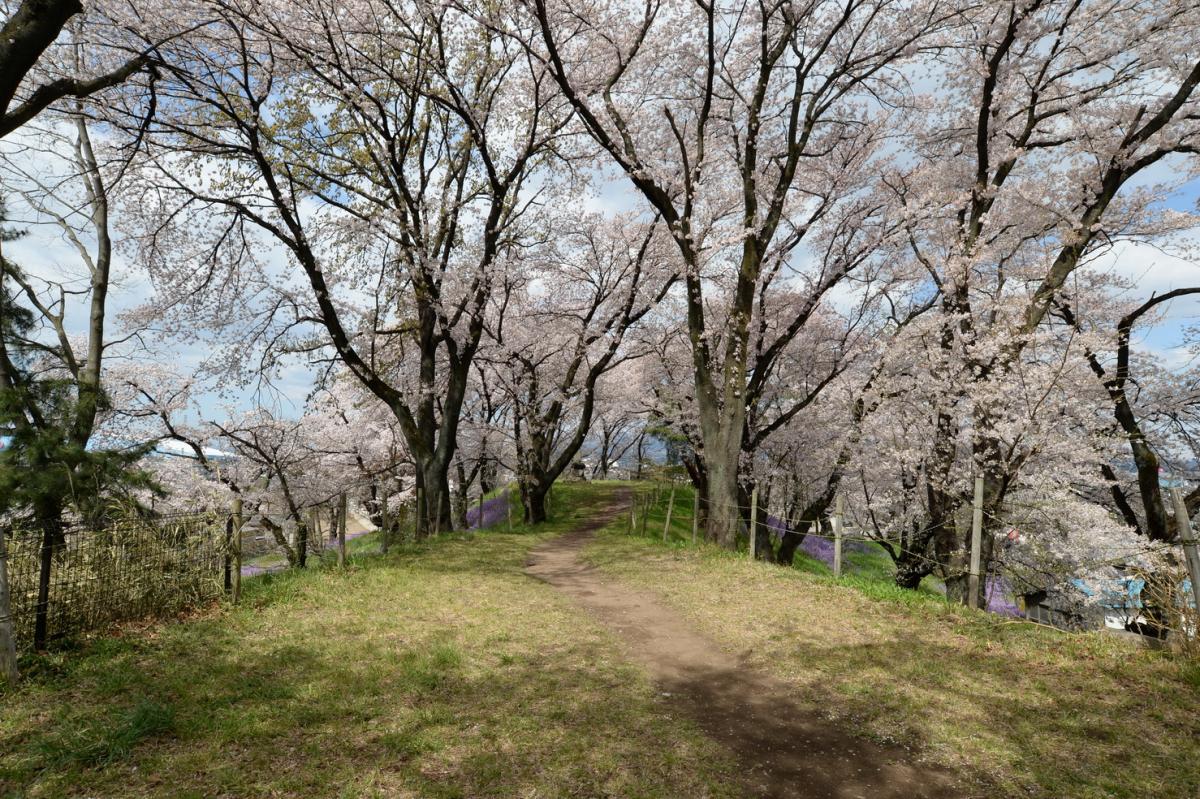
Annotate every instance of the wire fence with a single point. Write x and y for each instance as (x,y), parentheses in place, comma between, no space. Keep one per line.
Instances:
(80,579)
(1113,588)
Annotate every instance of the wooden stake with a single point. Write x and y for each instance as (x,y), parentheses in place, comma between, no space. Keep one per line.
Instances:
(341,529)
(8,642)
(670,507)
(838,509)
(632,513)
(695,514)
(754,523)
(421,517)
(384,527)
(976,545)
(237,549)
(509,506)
(1191,551)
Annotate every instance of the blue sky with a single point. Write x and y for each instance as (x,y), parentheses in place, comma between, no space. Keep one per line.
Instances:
(44,251)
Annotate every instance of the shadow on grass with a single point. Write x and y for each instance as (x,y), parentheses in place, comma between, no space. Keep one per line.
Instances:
(439,671)
(1097,735)
(1040,712)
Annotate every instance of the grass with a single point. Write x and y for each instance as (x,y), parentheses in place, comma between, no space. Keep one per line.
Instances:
(1022,709)
(439,670)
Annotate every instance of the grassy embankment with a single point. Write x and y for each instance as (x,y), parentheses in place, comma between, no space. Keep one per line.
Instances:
(440,670)
(1033,711)
(437,671)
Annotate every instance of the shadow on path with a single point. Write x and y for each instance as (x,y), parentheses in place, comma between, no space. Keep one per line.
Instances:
(786,749)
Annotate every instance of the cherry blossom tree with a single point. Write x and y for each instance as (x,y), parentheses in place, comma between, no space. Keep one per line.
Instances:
(562,329)
(751,131)
(39,67)
(389,151)
(1048,114)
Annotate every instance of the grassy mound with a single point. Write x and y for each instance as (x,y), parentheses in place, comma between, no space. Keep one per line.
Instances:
(439,670)
(1030,710)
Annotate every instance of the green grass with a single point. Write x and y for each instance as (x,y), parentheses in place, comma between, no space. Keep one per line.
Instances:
(439,670)
(1025,710)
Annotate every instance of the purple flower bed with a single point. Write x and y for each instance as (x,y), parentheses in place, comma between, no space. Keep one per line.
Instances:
(818,547)
(495,510)
(1000,597)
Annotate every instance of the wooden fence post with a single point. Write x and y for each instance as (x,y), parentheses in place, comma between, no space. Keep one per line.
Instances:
(754,523)
(8,643)
(695,514)
(645,512)
(227,560)
(401,520)
(838,510)
(1190,551)
(670,507)
(343,508)
(508,505)
(976,545)
(237,549)
(384,527)
(418,509)
(632,513)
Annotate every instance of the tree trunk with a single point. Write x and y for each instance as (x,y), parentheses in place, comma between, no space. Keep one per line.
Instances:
(8,644)
(533,498)
(49,519)
(792,539)
(724,517)
(460,496)
(433,514)
(302,544)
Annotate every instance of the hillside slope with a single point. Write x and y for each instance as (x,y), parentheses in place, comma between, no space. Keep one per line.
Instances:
(1029,710)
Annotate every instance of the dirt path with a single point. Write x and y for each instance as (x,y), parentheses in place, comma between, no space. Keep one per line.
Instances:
(786,749)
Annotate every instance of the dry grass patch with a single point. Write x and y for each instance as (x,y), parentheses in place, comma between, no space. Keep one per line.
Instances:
(1031,711)
(438,671)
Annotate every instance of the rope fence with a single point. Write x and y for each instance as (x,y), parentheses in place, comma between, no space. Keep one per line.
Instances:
(1006,576)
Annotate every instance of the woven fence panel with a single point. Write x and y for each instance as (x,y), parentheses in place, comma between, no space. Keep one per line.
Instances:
(130,570)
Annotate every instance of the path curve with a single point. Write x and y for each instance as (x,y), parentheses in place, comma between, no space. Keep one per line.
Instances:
(785,748)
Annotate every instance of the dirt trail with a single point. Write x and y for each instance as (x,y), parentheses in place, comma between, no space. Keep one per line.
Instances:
(785,748)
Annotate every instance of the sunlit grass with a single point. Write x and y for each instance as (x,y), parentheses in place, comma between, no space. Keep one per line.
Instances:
(439,670)
(1027,710)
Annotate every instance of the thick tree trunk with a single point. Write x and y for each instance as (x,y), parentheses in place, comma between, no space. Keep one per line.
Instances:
(723,517)
(533,498)
(433,513)
(911,571)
